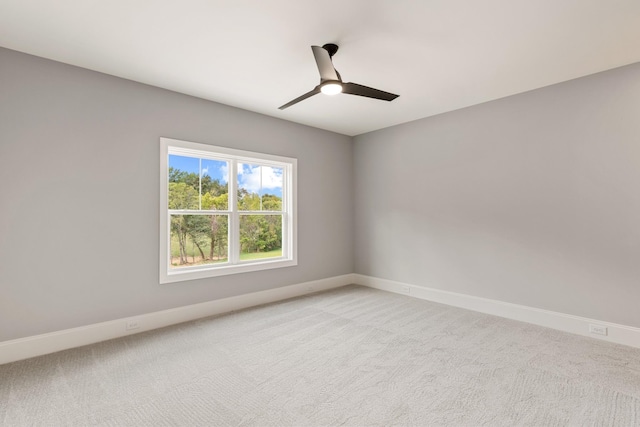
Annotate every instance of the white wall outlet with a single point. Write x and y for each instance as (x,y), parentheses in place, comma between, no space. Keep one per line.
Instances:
(405,289)
(598,330)
(132,324)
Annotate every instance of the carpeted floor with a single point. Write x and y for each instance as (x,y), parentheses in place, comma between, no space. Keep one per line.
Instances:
(352,356)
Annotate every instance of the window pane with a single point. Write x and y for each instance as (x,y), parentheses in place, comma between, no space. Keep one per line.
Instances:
(271,192)
(198,240)
(259,187)
(260,236)
(215,184)
(248,187)
(183,182)
(196,183)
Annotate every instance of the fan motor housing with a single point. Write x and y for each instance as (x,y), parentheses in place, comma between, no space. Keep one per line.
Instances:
(331,48)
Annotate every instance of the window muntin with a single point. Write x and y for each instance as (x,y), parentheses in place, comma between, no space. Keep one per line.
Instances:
(212,225)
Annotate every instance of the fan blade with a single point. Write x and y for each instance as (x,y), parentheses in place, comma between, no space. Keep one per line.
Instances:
(309,94)
(369,92)
(325,66)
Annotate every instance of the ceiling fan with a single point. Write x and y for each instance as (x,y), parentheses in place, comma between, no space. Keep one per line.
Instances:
(331,82)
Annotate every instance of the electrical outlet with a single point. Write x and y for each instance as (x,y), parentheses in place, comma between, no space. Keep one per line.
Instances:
(405,289)
(132,324)
(598,330)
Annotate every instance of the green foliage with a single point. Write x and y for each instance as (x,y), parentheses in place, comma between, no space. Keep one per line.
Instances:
(214,187)
(211,202)
(248,201)
(182,196)
(260,233)
(271,202)
(252,201)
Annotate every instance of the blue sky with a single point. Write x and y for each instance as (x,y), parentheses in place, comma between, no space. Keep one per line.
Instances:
(254,178)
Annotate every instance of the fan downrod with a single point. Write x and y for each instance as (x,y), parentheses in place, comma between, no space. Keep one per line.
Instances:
(331,48)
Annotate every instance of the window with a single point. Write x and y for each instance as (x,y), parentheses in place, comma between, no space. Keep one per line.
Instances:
(224,211)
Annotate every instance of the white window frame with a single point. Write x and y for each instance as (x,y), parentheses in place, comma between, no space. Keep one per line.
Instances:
(289,256)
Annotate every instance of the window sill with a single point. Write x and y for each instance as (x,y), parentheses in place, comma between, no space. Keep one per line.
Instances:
(194,273)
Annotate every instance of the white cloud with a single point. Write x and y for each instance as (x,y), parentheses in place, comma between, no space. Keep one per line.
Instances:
(224,173)
(271,177)
(254,178)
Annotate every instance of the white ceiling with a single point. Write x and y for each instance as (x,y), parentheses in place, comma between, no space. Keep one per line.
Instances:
(439,55)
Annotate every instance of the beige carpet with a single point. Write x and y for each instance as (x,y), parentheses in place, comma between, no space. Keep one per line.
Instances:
(352,356)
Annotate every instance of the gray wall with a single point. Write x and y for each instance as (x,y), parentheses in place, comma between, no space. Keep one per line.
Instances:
(532,199)
(79,185)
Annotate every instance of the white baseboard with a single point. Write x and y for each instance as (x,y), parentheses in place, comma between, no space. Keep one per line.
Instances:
(24,348)
(616,333)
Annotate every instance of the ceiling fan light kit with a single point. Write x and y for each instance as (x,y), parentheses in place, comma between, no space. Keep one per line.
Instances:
(331,87)
(331,82)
